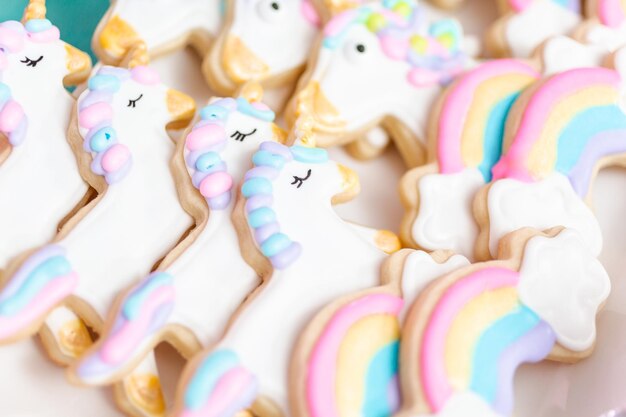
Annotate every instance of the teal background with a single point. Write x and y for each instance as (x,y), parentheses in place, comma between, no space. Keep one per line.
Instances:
(77,19)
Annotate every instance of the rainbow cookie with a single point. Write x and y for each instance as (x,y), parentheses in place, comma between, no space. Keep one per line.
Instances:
(286,226)
(438,197)
(164,25)
(559,134)
(346,361)
(468,332)
(526,24)
(118,135)
(387,52)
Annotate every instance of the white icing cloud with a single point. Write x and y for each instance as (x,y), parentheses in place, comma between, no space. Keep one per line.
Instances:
(465,404)
(564,283)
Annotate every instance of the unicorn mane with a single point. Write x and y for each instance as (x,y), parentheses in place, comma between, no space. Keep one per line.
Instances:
(611,13)
(208,137)
(433,51)
(13,35)
(257,188)
(111,158)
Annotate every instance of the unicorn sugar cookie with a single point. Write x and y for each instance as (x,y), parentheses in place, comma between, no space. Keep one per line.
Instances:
(467,332)
(119,235)
(438,196)
(605,24)
(381,65)
(163,25)
(560,134)
(346,360)
(528,23)
(308,257)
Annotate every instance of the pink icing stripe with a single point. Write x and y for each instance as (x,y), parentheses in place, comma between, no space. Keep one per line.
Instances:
(205,137)
(46,36)
(52,294)
(339,22)
(11,39)
(95,114)
(433,369)
(611,13)
(539,109)
(309,13)
(323,363)
(115,157)
(11,116)
(519,5)
(226,391)
(458,103)
(118,347)
(145,75)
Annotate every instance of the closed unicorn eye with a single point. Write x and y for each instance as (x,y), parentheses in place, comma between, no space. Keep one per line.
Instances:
(31,62)
(298,181)
(239,136)
(133,103)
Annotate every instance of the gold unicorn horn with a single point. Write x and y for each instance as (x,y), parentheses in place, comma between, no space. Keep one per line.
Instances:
(251,91)
(36,9)
(137,55)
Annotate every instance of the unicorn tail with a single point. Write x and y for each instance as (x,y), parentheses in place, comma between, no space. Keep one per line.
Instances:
(353,366)
(220,387)
(141,316)
(42,282)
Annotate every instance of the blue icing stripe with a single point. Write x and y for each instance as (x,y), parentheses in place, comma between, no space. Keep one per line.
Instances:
(132,306)
(5,94)
(103,139)
(256,185)
(309,155)
(275,244)
(38,25)
(582,128)
(246,108)
(47,271)
(332,42)
(103,82)
(207,161)
(214,112)
(207,376)
(265,158)
(261,216)
(494,135)
(380,373)
(492,343)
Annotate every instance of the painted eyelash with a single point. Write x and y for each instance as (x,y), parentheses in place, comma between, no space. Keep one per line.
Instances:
(31,62)
(133,103)
(241,136)
(299,181)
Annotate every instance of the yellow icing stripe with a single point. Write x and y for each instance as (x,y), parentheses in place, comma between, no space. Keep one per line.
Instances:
(360,345)
(468,327)
(486,96)
(542,157)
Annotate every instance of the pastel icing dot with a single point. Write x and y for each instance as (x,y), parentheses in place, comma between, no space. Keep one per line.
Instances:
(395,48)
(275,244)
(11,116)
(216,184)
(264,232)
(104,82)
(95,114)
(102,139)
(207,161)
(256,186)
(145,75)
(205,137)
(115,158)
(376,22)
(38,25)
(261,217)
(447,40)
(419,44)
(403,9)
(259,200)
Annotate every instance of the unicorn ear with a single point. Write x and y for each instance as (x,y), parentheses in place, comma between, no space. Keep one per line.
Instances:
(449,34)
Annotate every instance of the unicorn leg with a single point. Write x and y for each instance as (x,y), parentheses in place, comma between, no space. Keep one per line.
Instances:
(139,319)
(218,386)
(371,145)
(139,393)
(43,281)
(384,240)
(64,336)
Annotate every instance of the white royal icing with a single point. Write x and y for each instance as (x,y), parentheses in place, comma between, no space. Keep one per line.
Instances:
(611,38)
(547,203)
(39,182)
(138,219)
(281,38)
(160,22)
(420,269)
(465,404)
(265,332)
(564,283)
(445,219)
(562,53)
(541,20)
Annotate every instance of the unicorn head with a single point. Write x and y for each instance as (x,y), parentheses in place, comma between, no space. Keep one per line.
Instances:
(247,48)
(161,24)
(134,99)
(570,126)
(375,62)
(217,148)
(34,66)
(605,25)
(279,173)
